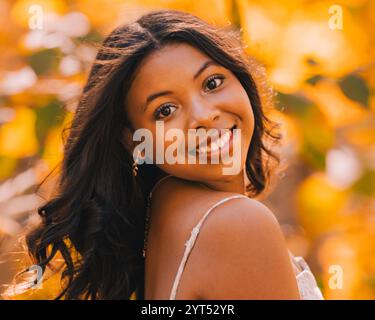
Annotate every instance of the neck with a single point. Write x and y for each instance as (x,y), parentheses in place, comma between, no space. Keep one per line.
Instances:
(232,184)
(236,184)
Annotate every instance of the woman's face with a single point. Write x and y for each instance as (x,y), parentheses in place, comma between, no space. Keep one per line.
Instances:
(182,87)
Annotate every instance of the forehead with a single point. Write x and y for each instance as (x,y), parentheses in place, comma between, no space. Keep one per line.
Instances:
(167,66)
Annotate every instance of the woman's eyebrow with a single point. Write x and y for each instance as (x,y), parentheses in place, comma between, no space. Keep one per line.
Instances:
(164,93)
(204,67)
(154,96)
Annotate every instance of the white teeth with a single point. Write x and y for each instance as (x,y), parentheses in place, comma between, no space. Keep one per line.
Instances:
(202,150)
(214,147)
(225,138)
(219,143)
(222,142)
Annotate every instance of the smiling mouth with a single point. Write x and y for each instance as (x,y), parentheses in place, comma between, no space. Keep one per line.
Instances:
(223,142)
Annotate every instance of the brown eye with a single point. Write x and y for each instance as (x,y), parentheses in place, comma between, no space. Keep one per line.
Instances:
(164,111)
(213,82)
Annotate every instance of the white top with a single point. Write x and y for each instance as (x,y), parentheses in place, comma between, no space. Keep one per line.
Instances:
(307,285)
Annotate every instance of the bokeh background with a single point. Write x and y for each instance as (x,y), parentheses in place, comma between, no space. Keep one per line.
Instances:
(319,57)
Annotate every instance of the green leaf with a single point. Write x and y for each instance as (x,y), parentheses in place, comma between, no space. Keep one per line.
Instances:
(92,37)
(44,61)
(312,155)
(293,104)
(315,79)
(365,185)
(317,135)
(311,61)
(48,116)
(356,89)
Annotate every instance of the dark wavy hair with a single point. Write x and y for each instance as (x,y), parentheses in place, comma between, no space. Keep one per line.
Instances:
(99,207)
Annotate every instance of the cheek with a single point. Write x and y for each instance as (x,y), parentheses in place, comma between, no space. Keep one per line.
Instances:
(244,110)
(236,98)
(241,106)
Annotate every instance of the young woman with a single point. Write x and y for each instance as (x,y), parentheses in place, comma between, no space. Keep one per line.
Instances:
(201,235)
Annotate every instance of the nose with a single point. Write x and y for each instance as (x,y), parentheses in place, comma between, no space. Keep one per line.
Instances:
(203,116)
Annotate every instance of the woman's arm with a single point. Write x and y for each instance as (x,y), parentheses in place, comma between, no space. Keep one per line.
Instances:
(244,254)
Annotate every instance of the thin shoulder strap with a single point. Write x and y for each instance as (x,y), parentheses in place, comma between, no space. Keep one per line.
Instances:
(191,242)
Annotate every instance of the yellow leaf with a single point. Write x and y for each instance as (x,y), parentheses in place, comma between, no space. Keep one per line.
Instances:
(320,205)
(20,10)
(338,109)
(17,137)
(53,151)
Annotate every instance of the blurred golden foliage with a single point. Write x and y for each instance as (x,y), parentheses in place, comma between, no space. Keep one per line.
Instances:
(320,60)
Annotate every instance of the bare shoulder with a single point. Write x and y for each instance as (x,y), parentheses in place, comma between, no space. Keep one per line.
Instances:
(245,254)
(180,202)
(240,252)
